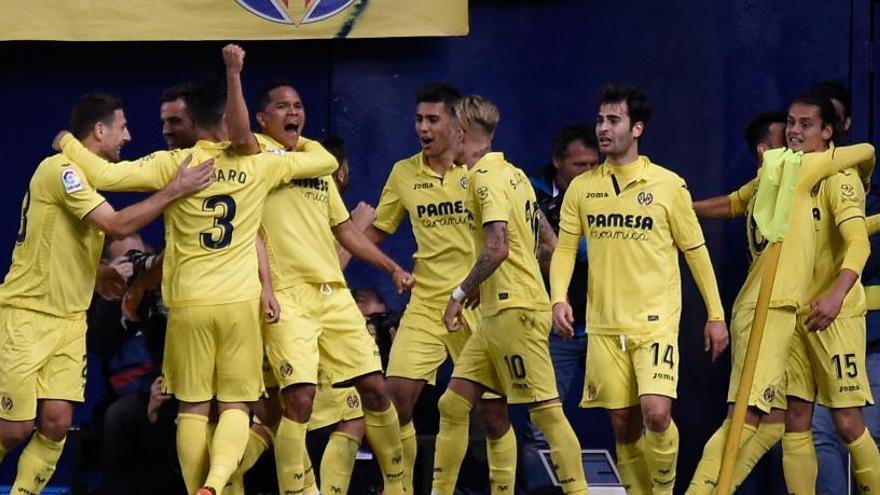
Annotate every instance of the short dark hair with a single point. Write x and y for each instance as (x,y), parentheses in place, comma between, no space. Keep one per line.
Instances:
(637,104)
(90,109)
(370,294)
(758,128)
(336,146)
(826,108)
(571,133)
(182,91)
(208,103)
(439,93)
(835,90)
(264,98)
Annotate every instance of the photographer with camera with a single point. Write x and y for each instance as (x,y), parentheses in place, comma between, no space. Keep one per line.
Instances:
(136,420)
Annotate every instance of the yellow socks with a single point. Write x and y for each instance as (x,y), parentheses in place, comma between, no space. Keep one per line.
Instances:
(661,452)
(451,442)
(255,447)
(309,485)
(633,468)
(706,476)
(565,450)
(761,439)
(799,463)
(192,449)
(227,446)
(383,432)
(866,463)
(501,454)
(337,463)
(410,447)
(37,463)
(290,449)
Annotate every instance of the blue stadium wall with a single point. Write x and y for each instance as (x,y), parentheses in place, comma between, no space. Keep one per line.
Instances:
(708,67)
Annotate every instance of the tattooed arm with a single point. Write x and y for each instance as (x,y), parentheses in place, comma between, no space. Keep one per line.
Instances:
(490,259)
(546,244)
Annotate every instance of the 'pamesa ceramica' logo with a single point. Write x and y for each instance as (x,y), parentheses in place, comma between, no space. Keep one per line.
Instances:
(295,12)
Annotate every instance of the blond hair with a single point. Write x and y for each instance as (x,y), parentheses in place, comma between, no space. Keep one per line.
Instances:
(475,110)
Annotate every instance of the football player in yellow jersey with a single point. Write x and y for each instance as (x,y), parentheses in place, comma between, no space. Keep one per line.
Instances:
(509,353)
(319,318)
(177,124)
(49,286)
(827,362)
(431,189)
(636,216)
(213,345)
(766,417)
(766,131)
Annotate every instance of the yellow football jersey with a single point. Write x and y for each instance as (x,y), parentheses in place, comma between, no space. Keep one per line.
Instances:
(440,222)
(740,198)
(500,192)
(210,255)
(798,252)
(837,199)
(296,226)
(56,252)
(636,217)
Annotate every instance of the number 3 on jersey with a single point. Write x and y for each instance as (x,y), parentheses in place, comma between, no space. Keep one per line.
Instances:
(220,235)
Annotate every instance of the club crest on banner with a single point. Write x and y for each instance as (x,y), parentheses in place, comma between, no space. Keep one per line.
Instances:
(295,12)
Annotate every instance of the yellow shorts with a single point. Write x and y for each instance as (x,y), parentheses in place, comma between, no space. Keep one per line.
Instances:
(832,363)
(768,387)
(41,357)
(509,355)
(422,342)
(333,404)
(622,368)
(319,322)
(214,351)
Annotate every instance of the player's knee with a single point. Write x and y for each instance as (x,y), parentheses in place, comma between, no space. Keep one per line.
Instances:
(373,393)
(627,426)
(15,432)
(848,423)
(494,416)
(298,400)
(268,412)
(55,427)
(354,428)
(798,416)
(453,407)
(657,419)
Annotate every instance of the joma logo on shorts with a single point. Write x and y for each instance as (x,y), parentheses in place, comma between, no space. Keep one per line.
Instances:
(849,388)
(664,376)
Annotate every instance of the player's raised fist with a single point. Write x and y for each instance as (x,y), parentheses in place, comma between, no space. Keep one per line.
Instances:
(233,57)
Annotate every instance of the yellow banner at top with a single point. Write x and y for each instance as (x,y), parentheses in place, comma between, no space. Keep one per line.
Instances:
(155,20)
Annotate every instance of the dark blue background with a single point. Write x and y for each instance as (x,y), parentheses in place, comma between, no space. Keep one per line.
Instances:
(708,67)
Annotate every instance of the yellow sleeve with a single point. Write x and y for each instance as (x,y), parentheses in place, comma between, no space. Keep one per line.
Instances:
(872,223)
(391,209)
(701,268)
(683,223)
(817,166)
(492,197)
(562,265)
(569,238)
(72,191)
(855,239)
(739,199)
(872,297)
(312,161)
(149,173)
(336,209)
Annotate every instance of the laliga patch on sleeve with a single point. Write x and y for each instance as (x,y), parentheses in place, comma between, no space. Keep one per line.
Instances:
(277,152)
(71,180)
